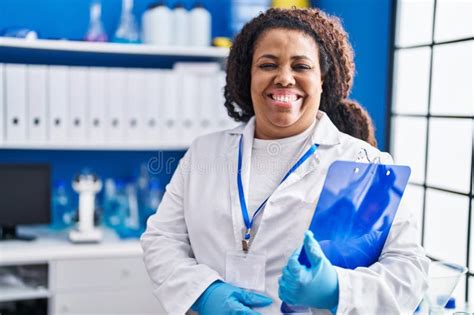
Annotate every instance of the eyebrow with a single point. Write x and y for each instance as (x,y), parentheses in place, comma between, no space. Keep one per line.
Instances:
(270,56)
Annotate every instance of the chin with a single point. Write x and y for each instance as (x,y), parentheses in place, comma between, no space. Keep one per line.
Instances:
(283,122)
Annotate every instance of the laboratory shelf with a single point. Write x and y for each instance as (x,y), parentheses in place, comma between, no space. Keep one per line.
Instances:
(41,51)
(140,49)
(96,147)
(8,294)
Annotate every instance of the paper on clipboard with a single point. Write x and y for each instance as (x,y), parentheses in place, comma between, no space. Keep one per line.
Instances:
(355,211)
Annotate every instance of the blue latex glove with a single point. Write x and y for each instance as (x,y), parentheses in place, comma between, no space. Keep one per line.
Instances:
(224,298)
(315,287)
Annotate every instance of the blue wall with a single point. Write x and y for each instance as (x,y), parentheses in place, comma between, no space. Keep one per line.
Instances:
(69,18)
(117,164)
(368,23)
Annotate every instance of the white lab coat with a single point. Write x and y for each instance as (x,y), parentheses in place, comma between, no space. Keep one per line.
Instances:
(200,219)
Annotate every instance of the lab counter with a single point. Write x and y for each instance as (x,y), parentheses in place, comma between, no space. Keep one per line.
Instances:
(53,245)
(106,277)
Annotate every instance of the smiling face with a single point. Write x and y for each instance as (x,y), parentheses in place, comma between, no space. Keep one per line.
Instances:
(286,83)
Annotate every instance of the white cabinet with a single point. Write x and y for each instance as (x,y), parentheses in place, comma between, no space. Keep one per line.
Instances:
(105,278)
(101,285)
(73,274)
(106,301)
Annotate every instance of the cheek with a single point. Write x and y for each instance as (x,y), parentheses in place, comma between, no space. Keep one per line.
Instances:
(257,86)
(313,98)
(313,88)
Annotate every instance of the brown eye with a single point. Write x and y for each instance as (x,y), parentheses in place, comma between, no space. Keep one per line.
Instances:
(267,66)
(302,67)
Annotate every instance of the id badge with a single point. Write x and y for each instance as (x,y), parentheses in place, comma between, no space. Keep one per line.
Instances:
(246,271)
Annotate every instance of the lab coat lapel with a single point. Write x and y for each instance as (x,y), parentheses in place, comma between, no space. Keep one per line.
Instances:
(324,134)
(232,158)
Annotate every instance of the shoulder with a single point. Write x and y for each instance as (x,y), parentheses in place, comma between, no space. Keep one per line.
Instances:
(342,146)
(360,151)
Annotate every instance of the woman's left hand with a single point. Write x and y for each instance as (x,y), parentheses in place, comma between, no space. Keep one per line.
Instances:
(315,287)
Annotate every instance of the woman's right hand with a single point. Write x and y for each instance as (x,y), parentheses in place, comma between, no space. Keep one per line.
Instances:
(224,298)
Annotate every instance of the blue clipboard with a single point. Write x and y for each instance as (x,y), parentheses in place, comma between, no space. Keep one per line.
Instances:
(355,211)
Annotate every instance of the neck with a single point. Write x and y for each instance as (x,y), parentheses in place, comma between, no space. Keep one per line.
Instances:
(274,132)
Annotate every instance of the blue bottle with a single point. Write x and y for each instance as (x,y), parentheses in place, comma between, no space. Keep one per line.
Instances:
(142,183)
(63,214)
(108,200)
(152,201)
(115,203)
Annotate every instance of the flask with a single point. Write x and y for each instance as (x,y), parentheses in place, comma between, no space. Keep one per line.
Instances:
(156,23)
(127,32)
(180,26)
(96,32)
(199,26)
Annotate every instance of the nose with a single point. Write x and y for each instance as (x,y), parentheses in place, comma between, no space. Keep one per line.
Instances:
(284,77)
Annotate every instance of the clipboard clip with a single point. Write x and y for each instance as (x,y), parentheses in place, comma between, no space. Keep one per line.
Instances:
(364,155)
(363,151)
(375,162)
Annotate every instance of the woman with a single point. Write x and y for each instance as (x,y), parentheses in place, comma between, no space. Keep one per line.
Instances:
(288,76)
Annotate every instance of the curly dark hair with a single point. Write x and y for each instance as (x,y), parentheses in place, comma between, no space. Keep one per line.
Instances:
(336,59)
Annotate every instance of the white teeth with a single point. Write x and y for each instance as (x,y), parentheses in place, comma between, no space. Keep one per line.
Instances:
(284,98)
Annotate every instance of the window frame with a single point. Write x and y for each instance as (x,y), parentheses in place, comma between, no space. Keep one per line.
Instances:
(391,114)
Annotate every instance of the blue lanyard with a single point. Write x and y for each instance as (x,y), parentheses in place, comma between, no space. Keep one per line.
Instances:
(243,203)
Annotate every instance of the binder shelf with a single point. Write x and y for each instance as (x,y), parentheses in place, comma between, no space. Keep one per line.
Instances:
(64,95)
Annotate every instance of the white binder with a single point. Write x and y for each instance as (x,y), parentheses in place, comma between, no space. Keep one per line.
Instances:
(115,105)
(207,118)
(78,98)
(223,119)
(169,100)
(134,100)
(58,105)
(96,121)
(37,103)
(2,105)
(188,100)
(152,104)
(16,119)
